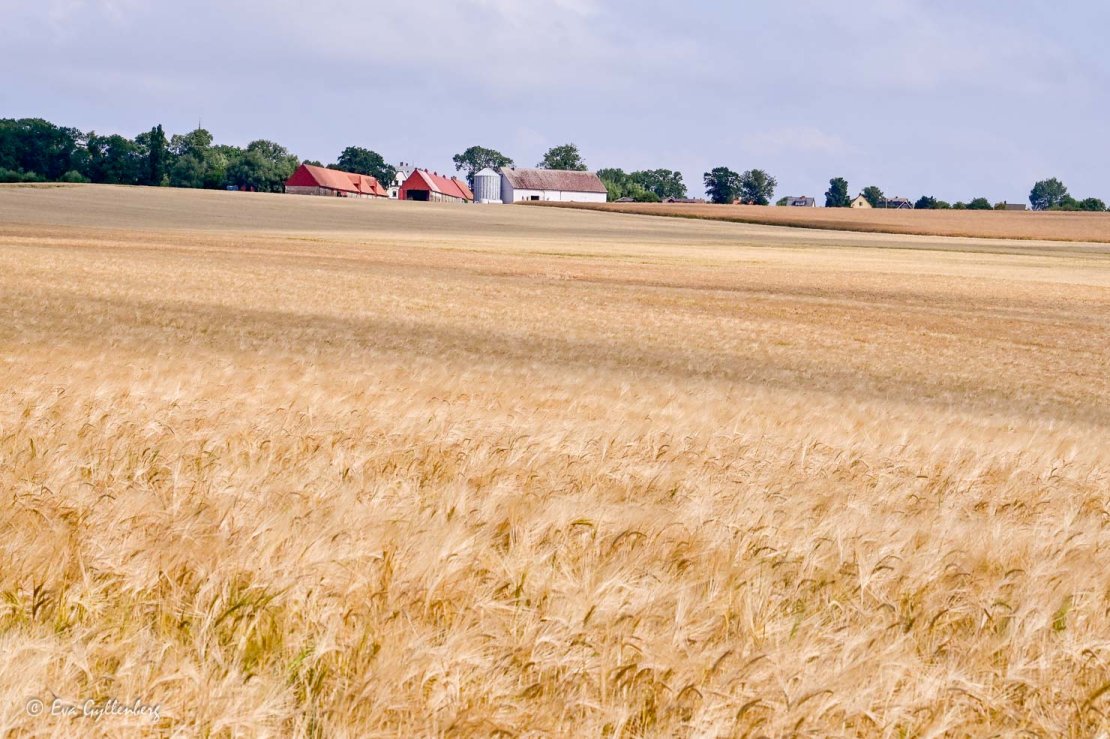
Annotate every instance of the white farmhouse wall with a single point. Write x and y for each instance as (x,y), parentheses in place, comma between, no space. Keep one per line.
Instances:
(511,195)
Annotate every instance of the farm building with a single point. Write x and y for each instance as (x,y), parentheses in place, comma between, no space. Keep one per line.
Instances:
(487,187)
(896,203)
(404,169)
(425,187)
(312,180)
(1015,206)
(803,202)
(684,201)
(860,202)
(518,184)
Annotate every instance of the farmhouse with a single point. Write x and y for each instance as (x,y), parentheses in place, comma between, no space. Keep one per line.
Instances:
(312,180)
(518,184)
(860,202)
(1014,206)
(425,186)
(803,202)
(896,203)
(403,171)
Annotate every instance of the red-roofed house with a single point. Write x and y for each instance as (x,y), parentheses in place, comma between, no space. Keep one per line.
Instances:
(312,180)
(426,186)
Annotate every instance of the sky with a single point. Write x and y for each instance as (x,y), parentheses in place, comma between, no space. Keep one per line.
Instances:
(952,98)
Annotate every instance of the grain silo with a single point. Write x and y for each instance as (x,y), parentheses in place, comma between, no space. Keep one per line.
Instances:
(487,186)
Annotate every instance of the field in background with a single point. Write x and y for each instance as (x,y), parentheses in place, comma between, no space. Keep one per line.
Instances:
(1043,226)
(336,468)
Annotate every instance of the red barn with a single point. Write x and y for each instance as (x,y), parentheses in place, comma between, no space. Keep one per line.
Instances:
(428,186)
(312,180)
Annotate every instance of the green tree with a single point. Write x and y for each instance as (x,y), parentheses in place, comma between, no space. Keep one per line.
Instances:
(722,185)
(264,166)
(925,202)
(1092,204)
(36,146)
(191,155)
(837,194)
(565,157)
(663,183)
(477,158)
(980,204)
(874,196)
(364,161)
(944,205)
(616,182)
(1047,194)
(757,187)
(113,160)
(156,154)
(1067,203)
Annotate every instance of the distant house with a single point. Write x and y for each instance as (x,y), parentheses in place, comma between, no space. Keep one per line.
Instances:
(802,202)
(860,202)
(521,185)
(432,187)
(896,203)
(309,179)
(404,170)
(625,200)
(684,201)
(1014,206)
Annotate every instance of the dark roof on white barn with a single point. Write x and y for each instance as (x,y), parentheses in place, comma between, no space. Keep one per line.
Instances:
(553,179)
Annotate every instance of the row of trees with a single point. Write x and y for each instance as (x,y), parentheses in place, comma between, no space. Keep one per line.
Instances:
(644,186)
(1046,195)
(34,150)
(753,187)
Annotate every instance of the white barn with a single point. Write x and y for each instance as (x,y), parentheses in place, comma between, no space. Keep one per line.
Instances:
(520,185)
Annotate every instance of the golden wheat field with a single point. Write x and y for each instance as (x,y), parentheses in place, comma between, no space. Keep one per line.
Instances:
(1049,225)
(306,467)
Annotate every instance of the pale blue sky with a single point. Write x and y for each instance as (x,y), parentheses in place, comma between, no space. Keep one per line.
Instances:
(955,99)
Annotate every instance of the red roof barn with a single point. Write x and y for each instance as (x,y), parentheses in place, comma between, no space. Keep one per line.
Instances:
(428,186)
(312,180)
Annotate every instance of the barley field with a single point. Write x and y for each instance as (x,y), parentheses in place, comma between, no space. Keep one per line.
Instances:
(1050,225)
(305,467)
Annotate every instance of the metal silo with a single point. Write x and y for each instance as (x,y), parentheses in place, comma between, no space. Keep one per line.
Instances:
(487,186)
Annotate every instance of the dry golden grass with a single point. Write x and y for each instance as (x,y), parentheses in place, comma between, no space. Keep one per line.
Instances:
(1044,226)
(301,467)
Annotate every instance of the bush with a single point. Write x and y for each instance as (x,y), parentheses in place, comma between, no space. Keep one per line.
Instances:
(11,175)
(75,177)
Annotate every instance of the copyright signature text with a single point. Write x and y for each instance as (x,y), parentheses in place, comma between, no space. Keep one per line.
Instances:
(94,710)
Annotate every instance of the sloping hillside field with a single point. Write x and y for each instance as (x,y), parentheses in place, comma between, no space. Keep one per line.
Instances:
(308,467)
(1056,226)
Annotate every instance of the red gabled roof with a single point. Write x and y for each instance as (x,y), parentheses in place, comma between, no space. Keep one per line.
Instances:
(422,179)
(309,175)
(461,184)
(367,185)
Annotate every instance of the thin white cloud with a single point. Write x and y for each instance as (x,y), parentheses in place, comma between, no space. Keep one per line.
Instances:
(802,139)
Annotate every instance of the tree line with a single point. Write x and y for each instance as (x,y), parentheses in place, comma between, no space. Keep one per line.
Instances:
(1048,194)
(35,150)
